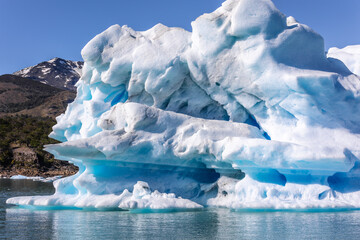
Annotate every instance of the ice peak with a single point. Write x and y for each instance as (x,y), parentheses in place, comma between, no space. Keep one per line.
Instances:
(252,17)
(290,21)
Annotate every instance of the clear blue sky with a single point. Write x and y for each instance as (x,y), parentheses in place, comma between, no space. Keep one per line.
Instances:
(38,30)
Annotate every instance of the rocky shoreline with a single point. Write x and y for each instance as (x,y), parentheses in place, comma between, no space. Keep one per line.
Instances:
(59,168)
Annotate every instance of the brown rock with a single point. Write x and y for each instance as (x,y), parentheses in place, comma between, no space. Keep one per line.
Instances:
(25,155)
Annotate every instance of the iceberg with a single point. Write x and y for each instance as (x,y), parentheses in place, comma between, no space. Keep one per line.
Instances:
(245,111)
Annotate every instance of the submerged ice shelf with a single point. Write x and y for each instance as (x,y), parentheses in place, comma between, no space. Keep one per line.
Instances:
(245,111)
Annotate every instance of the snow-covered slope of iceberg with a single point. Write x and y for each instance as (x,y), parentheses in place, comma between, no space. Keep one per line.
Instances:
(349,55)
(246,111)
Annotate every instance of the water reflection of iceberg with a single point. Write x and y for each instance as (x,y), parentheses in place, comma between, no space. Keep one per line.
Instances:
(219,224)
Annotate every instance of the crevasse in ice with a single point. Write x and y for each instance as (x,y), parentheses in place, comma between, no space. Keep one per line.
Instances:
(245,111)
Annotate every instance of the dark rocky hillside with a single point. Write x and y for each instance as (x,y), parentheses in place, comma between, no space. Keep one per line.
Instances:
(24,96)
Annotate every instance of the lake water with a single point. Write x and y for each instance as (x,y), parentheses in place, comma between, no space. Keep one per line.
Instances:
(208,224)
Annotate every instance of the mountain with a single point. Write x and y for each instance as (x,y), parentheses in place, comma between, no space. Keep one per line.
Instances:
(27,113)
(56,72)
(20,95)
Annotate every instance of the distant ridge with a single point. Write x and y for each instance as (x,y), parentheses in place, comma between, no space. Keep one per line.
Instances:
(23,96)
(56,72)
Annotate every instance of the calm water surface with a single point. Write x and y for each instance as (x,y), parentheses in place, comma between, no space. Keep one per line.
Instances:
(209,224)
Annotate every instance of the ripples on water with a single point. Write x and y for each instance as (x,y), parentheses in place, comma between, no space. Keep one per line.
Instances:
(18,223)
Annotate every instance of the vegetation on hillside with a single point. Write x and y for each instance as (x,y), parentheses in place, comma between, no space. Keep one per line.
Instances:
(25,131)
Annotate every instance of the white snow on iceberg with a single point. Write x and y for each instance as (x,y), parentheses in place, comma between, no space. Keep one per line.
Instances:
(247,111)
(350,56)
